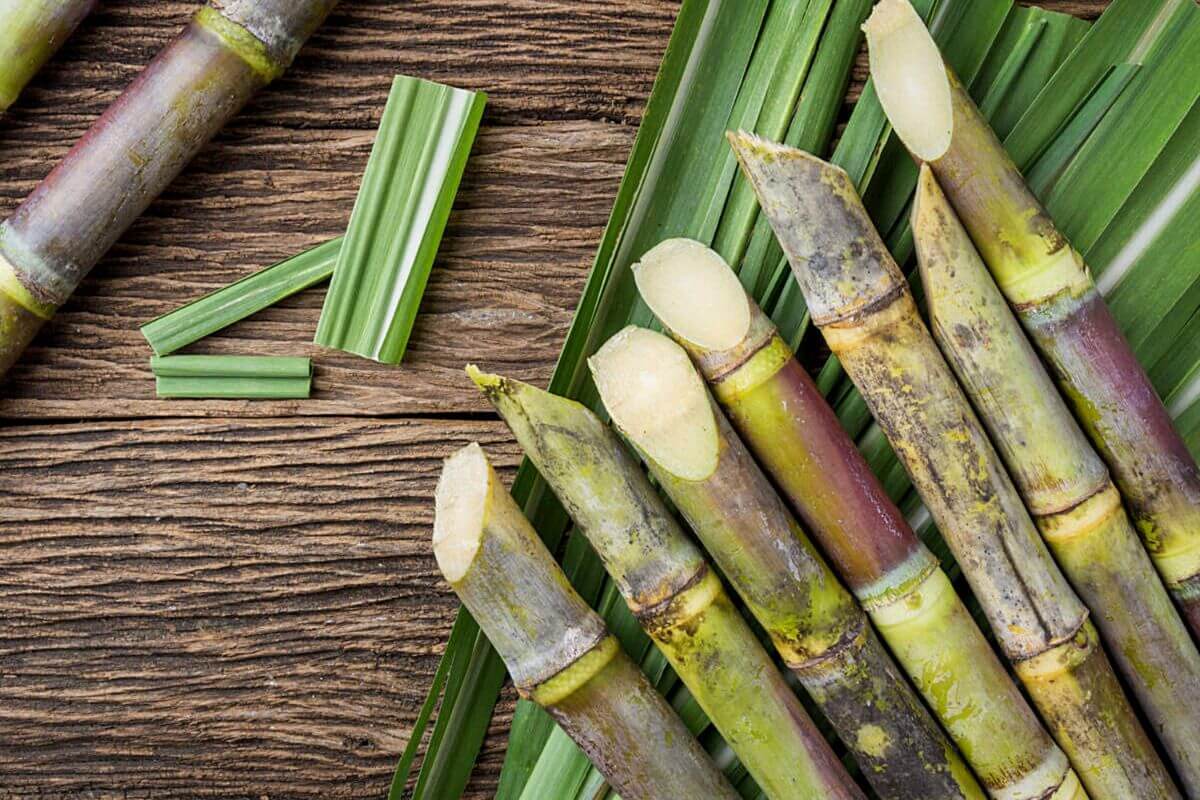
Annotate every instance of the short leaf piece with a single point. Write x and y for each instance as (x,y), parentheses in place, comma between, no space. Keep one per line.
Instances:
(232,377)
(240,299)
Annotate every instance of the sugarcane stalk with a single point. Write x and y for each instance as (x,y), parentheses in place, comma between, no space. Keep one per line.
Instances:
(672,591)
(865,309)
(559,652)
(1052,291)
(31,31)
(786,423)
(658,401)
(183,97)
(1064,484)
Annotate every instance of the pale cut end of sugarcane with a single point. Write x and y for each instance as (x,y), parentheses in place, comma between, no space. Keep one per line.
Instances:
(694,292)
(910,78)
(657,399)
(460,506)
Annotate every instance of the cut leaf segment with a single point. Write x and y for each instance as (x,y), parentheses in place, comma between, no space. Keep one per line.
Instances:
(230,377)
(403,204)
(211,313)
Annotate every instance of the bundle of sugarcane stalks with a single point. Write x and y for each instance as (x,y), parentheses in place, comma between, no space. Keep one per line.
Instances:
(1009,410)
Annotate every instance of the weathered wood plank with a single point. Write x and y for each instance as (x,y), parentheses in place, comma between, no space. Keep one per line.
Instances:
(220,609)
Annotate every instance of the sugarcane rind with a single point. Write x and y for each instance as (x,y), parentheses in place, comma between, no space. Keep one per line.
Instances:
(683,607)
(896,308)
(240,41)
(760,367)
(575,675)
(1063,273)
(11,285)
(1061,657)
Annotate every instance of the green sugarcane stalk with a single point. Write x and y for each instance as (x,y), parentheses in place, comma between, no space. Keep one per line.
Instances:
(1063,482)
(183,97)
(673,592)
(31,31)
(658,401)
(782,417)
(1051,289)
(862,303)
(559,652)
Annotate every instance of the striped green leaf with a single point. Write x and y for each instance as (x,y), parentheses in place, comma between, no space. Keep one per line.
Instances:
(211,313)
(397,223)
(247,377)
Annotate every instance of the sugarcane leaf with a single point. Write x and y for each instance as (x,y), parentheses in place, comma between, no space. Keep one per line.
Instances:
(1130,137)
(461,635)
(1121,35)
(230,377)
(1059,37)
(1147,262)
(785,51)
(446,770)
(212,312)
(1046,169)
(396,227)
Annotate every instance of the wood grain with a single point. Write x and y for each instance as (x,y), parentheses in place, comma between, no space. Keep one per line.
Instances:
(206,608)
(237,600)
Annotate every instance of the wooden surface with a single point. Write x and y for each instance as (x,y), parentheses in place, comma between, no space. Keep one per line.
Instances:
(237,600)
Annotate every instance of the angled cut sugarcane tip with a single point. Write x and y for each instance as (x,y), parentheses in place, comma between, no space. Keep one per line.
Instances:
(460,499)
(655,396)
(910,78)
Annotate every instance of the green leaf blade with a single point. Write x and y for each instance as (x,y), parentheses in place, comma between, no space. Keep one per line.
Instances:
(396,227)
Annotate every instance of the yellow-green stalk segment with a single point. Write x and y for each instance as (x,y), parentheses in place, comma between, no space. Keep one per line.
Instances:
(137,147)
(1052,291)
(1063,482)
(862,303)
(658,401)
(784,420)
(31,31)
(671,589)
(558,651)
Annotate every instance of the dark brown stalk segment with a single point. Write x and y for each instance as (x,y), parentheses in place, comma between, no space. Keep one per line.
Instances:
(137,147)
(861,301)
(1052,291)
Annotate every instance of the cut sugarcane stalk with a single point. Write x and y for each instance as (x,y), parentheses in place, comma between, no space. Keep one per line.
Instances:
(558,651)
(238,300)
(659,402)
(185,95)
(1063,482)
(775,406)
(671,589)
(232,377)
(31,31)
(861,301)
(1052,291)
